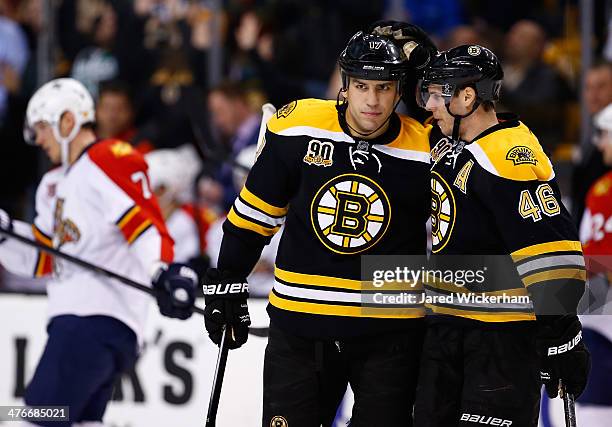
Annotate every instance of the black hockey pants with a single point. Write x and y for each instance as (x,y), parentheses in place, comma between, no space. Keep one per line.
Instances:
(478,377)
(305,379)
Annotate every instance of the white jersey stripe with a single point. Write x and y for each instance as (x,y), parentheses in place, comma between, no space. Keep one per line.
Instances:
(418,156)
(316,133)
(248,211)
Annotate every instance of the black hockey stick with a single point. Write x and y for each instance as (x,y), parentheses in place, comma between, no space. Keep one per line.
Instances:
(84,264)
(569,406)
(215,394)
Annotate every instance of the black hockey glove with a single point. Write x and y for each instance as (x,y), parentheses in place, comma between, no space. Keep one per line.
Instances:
(563,355)
(412,40)
(175,290)
(5,224)
(226,296)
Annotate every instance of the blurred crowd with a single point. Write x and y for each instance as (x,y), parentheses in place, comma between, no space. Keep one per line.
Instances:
(176,73)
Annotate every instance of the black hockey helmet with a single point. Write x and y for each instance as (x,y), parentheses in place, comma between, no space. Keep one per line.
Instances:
(456,68)
(372,57)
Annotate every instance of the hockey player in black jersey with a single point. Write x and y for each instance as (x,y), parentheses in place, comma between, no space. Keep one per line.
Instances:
(345,178)
(494,193)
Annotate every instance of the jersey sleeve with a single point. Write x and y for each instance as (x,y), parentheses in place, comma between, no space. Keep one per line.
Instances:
(25,260)
(129,203)
(535,227)
(260,209)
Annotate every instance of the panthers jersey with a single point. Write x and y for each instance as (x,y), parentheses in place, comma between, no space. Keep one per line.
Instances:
(339,198)
(596,237)
(596,226)
(102,211)
(497,195)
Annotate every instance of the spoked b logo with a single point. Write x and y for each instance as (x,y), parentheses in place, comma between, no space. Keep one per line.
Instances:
(350,213)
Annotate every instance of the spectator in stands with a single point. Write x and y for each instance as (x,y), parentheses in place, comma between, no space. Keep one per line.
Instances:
(237,122)
(464,34)
(14,54)
(272,40)
(436,17)
(102,40)
(115,115)
(529,84)
(261,57)
(590,166)
(16,173)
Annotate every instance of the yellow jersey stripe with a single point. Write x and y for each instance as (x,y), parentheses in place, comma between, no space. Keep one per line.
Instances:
(548,247)
(315,280)
(41,237)
(40,265)
(483,317)
(252,199)
(348,311)
(138,231)
(560,273)
(128,216)
(248,225)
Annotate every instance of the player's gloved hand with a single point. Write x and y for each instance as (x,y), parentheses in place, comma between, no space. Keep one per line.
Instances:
(226,296)
(412,40)
(563,355)
(5,223)
(175,285)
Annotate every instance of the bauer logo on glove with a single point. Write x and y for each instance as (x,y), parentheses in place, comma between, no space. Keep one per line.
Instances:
(225,288)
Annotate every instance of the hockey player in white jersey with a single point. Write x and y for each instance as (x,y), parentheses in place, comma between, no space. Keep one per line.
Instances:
(172,174)
(97,206)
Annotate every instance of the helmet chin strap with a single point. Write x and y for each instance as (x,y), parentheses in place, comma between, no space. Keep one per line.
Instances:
(64,142)
(343,114)
(458,117)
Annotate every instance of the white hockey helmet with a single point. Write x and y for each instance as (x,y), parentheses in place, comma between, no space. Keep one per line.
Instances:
(52,100)
(175,169)
(603,127)
(603,119)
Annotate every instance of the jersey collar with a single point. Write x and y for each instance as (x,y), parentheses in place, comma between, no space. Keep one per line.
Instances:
(505,121)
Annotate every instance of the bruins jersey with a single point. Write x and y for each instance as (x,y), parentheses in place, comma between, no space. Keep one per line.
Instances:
(497,196)
(338,198)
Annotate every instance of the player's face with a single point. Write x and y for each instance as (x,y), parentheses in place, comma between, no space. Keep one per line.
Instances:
(223,113)
(46,140)
(114,114)
(436,103)
(370,103)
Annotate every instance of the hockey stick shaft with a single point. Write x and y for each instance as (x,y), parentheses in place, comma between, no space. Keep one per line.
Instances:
(84,264)
(215,394)
(569,407)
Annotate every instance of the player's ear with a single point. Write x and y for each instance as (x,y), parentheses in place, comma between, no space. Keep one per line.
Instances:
(469,96)
(66,123)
